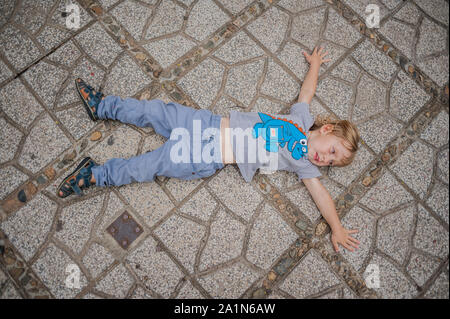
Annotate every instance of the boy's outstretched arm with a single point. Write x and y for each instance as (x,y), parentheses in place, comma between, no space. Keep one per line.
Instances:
(310,83)
(326,206)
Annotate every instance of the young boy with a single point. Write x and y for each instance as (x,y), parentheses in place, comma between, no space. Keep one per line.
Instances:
(209,141)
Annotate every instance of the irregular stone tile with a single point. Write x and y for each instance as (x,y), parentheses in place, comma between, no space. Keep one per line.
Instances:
(10,292)
(77,221)
(41,146)
(370,99)
(336,95)
(140,293)
(433,67)
(167,51)
(437,132)
(269,238)
(406,97)
(346,175)
(346,70)
(5,72)
(387,193)
(49,38)
(68,95)
(439,289)
(203,82)
(432,38)
(279,84)
(76,120)
(27,228)
(53,268)
(9,140)
(401,35)
(415,167)
(97,259)
(267,106)
(10,178)
(181,188)
(242,81)
(107,4)
(391,4)
(240,48)
(168,19)
(66,55)
(225,241)
(331,295)
(6,8)
(438,9)
(235,6)
(189,292)
(46,80)
(359,6)
(315,108)
(151,208)
(439,200)
(375,134)
(183,237)
(201,205)
(114,208)
(30,16)
(393,284)
(292,57)
(125,78)
(374,62)
(309,277)
(132,16)
(204,19)
(430,236)
(232,190)
(408,13)
(123,143)
(270,28)
(421,268)
(117,283)
(394,232)
(224,106)
(306,27)
(230,282)
(89,72)
(154,268)
(18,47)
(153,142)
(99,45)
(359,219)
(296,6)
(340,31)
(442,164)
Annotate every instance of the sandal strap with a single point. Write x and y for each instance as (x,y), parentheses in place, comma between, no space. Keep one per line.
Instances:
(85,174)
(75,187)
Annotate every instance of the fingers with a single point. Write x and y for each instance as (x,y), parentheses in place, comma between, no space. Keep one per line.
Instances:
(353,231)
(335,245)
(353,240)
(347,246)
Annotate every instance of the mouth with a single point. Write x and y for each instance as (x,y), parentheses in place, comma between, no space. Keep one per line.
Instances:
(316,157)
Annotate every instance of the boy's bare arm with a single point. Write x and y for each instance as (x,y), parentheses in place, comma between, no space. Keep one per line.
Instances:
(310,83)
(326,206)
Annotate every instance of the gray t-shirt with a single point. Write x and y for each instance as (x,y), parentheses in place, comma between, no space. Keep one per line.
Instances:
(272,142)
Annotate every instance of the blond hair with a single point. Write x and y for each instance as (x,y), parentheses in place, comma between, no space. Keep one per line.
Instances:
(343,129)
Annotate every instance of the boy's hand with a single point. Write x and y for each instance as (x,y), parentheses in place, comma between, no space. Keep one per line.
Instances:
(342,236)
(317,57)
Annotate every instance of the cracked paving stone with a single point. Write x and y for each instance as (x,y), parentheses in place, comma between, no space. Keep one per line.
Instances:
(200,205)
(225,242)
(438,9)
(442,165)
(10,178)
(296,6)
(240,48)
(437,132)
(340,31)
(168,19)
(421,268)
(439,289)
(9,140)
(439,201)
(132,16)
(189,292)
(336,95)
(116,283)
(97,259)
(370,99)
(306,27)
(279,84)
(167,51)
(375,134)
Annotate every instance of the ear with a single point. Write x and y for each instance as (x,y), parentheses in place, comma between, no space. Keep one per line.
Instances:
(326,128)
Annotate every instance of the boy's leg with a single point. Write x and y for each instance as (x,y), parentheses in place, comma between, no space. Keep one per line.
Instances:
(155,113)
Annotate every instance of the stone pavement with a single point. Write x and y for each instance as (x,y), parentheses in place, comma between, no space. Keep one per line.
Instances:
(220,237)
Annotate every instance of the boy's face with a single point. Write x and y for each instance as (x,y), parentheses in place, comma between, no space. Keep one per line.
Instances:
(326,149)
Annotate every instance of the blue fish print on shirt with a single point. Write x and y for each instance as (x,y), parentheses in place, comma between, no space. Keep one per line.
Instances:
(279,132)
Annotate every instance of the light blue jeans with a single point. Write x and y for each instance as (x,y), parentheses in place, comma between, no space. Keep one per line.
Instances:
(164,118)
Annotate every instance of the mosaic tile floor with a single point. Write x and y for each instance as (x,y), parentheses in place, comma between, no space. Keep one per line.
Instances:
(220,237)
